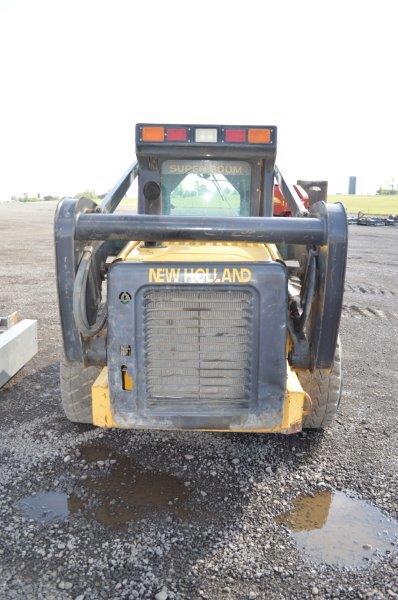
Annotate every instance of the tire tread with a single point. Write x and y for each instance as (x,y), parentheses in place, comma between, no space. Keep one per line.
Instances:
(324,387)
(75,382)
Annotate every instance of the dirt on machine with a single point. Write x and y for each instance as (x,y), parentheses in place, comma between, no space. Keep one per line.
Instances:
(215,307)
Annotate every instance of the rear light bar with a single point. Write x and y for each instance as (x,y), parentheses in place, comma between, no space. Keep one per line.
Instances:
(191,134)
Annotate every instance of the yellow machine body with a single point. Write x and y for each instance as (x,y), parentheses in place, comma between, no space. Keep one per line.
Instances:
(296,402)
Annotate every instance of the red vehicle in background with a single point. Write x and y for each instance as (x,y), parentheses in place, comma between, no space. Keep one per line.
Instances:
(281,207)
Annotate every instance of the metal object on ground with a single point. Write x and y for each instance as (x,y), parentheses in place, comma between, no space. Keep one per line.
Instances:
(18,344)
(373,221)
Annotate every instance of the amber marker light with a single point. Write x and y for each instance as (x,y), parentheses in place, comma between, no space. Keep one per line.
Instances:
(259,136)
(152,134)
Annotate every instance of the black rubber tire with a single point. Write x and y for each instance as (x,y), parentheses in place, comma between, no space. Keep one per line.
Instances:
(324,387)
(76,381)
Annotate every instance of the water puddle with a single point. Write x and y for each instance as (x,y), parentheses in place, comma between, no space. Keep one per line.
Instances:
(330,527)
(45,507)
(114,491)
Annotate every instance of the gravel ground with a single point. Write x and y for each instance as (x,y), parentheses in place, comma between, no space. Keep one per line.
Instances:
(188,515)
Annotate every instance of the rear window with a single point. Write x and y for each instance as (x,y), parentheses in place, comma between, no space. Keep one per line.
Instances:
(206,187)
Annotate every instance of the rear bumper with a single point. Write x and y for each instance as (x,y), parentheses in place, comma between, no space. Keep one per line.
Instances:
(104,414)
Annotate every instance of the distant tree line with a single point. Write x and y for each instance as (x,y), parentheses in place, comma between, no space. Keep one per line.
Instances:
(391,191)
(91,194)
(29,198)
(388,190)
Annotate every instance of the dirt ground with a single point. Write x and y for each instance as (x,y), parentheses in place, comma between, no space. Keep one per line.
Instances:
(123,514)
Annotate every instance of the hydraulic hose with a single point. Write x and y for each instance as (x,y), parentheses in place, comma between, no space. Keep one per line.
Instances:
(79,300)
(310,284)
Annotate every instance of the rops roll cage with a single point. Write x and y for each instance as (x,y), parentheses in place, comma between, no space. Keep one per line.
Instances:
(94,232)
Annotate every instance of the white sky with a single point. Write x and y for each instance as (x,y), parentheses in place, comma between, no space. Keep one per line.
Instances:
(76,76)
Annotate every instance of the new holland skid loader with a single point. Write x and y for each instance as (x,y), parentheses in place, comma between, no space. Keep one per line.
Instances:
(217,306)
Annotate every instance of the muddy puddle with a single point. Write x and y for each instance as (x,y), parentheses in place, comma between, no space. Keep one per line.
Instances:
(331,527)
(113,490)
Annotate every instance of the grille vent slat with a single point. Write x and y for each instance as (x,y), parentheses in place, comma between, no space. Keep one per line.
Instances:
(198,350)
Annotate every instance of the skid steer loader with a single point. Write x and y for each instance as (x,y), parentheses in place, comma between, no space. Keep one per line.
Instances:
(217,306)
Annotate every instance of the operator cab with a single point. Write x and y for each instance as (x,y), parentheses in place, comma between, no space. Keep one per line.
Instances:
(188,170)
(223,171)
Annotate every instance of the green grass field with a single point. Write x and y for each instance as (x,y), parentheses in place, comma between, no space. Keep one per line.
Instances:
(373,205)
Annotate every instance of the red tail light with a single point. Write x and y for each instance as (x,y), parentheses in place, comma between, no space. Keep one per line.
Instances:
(176,134)
(235,135)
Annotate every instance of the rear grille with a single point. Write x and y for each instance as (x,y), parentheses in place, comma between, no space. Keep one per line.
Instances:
(198,350)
